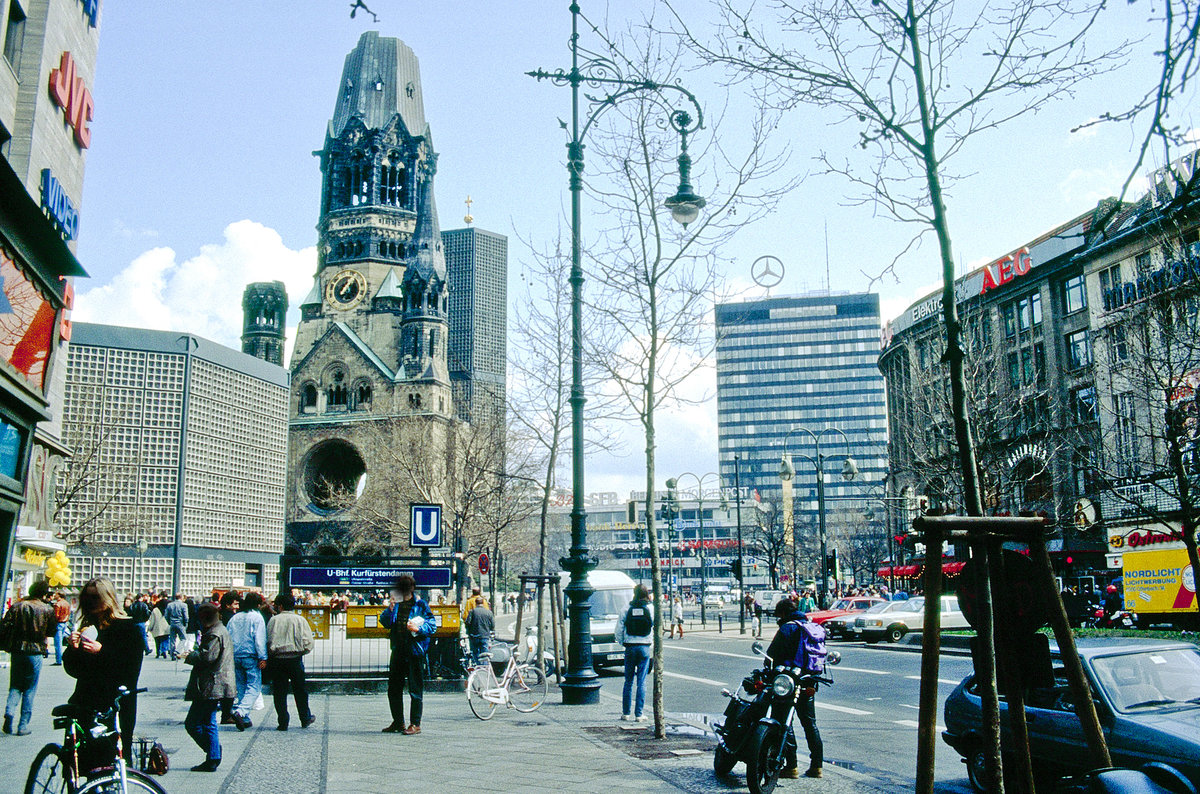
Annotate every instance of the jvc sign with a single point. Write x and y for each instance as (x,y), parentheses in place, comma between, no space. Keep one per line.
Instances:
(426,527)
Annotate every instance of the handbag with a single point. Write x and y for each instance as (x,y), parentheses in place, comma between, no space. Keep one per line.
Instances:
(6,630)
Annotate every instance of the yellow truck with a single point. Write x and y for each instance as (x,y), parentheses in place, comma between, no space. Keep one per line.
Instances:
(1160,586)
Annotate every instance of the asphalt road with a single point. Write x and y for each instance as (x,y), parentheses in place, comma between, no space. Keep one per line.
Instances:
(868,718)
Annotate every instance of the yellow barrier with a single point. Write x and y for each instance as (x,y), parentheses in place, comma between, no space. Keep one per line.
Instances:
(318,620)
(362,622)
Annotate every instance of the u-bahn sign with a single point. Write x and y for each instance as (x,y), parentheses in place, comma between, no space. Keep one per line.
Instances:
(426,527)
(365,578)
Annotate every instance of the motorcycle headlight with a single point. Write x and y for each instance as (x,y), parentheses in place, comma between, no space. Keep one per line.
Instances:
(783,686)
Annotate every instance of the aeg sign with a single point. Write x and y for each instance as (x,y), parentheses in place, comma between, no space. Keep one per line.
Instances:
(1005,270)
(73,97)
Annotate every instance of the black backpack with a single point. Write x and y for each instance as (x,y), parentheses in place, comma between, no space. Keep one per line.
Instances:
(638,620)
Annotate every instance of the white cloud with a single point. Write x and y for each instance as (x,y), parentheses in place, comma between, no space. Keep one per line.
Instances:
(202,294)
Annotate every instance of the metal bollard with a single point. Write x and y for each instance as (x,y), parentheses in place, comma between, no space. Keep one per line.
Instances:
(720,623)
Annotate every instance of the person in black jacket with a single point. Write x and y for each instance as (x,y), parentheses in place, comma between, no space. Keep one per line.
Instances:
(787,648)
(113,659)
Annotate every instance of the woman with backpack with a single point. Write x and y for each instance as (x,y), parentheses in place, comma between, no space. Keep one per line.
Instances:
(634,630)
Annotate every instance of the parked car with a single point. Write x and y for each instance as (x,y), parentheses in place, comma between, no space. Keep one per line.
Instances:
(909,617)
(1147,695)
(844,606)
(714,600)
(843,627)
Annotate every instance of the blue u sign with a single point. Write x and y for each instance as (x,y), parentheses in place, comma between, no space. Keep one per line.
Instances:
(426,526)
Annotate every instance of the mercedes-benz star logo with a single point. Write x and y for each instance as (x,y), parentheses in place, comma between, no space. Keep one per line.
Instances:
(767,271)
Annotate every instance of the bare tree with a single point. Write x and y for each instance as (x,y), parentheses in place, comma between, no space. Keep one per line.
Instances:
(540,362)
(655,286)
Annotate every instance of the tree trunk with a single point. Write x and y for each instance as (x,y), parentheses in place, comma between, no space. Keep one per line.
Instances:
(655,584)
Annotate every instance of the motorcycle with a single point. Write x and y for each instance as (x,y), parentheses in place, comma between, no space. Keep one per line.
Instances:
(755,726)
(1120,619)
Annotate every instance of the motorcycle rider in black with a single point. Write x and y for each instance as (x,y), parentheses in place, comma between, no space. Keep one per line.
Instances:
(785,649)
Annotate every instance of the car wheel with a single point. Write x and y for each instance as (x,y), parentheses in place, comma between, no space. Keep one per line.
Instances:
(896,633)
(977,770)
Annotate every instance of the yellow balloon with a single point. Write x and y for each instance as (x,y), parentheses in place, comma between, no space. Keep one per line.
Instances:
(60,555)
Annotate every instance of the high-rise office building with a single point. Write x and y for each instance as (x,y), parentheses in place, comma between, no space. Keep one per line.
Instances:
(180,448)
(807,362)
(477,268)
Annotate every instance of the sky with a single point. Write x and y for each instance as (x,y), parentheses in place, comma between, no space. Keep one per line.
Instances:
(201,175)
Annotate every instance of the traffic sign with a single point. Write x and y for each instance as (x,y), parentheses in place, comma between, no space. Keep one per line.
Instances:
(426,526)
(366,577)
(484,563)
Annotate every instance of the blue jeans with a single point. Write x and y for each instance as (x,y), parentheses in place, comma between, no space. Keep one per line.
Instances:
(22,686)
(60,631)
(201,725)
(178,633)
(249,683)
(479,645)
(637,661)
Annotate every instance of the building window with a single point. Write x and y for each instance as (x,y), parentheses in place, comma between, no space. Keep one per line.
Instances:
(1079,352)
(1125,429)
(336,395)
(1141,263)
(1083,404)
(14,34)
(1023,315)
(1083,472)
(1118,345)
(1110,284)
(362,395)
(308,397)
(1074,295)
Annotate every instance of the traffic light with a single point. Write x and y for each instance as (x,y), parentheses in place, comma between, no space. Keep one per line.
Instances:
(831,564)
(631,513)
(735,568)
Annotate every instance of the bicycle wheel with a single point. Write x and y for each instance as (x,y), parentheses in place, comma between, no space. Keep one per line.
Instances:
(527,688)
(135,782)
(48,773)
(480,680)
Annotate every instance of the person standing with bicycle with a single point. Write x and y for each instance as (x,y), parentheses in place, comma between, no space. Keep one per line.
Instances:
(107,662)
(634,630)
(410,624)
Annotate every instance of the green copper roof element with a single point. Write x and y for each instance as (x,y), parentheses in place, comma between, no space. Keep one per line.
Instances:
(314,295)
(390,288)
(380,78)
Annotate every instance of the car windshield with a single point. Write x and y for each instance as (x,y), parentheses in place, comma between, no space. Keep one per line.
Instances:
(879,607)
(912,605)
(609,604)
(1150,680)
(894,606)
(843,603)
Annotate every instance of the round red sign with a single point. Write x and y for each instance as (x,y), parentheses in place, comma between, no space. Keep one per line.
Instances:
(484,563)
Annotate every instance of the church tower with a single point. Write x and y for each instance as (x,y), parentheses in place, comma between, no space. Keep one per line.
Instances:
(369,363)
(264,312)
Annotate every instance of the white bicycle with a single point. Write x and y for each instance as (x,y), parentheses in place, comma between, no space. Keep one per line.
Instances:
(522,686)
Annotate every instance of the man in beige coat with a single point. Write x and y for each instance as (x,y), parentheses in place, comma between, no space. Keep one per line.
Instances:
(289,638)
(212,679)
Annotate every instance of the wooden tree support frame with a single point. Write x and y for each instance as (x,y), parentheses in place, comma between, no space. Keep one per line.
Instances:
(557,625)
(985,534)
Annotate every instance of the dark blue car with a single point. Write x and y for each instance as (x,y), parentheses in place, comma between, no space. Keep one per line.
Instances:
(1147,694)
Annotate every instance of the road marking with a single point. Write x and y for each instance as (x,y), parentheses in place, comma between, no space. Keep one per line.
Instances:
(914,724)
(843,709)
(698,680)
(714,653)
(940,680)
(906,706)
(874,698)
(861,670)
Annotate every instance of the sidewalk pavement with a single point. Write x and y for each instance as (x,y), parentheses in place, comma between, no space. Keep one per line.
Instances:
(557,748)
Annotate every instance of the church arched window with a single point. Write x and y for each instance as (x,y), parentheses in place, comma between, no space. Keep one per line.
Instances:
(362,395)
(308,398)
(336,394)
(433,341)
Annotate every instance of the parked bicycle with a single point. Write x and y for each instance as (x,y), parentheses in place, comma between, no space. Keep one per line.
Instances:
(89,760)
(521,686)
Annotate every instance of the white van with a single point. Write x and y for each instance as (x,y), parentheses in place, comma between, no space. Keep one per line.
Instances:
(614,591)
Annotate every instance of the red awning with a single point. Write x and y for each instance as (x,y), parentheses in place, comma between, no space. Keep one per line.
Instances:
(884,572)
(953,567)
(907,570)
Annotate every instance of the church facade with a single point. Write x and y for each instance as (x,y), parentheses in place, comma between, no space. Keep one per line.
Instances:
(372,422)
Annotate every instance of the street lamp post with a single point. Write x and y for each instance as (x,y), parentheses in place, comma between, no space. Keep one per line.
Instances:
(737,494)
(787,472)
(581,685)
